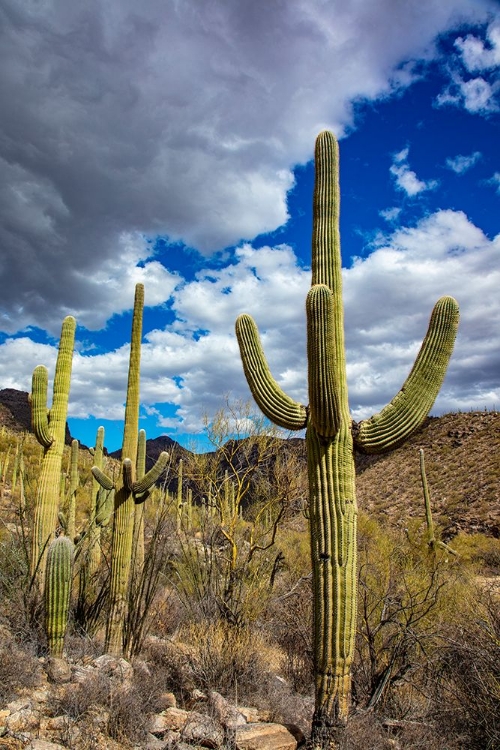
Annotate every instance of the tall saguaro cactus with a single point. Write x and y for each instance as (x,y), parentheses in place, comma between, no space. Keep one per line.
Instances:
(49,426)
(128,491)
(331,436)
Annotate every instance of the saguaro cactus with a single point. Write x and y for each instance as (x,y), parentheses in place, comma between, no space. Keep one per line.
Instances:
(331,436)
(128,491)
(49,427)
(58,579)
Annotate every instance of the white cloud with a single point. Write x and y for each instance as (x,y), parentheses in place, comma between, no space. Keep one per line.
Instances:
(127,121)
(495,181)
(476,55)
(388,299)
(390,214)
(461,164)
(477,94)
(406,179)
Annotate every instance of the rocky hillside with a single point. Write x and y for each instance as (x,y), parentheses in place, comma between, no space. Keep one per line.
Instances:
(462,458)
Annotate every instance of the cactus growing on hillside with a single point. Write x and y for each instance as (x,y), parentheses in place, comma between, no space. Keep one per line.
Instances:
(128,491)
(331,436)
(58,579)
(49,427)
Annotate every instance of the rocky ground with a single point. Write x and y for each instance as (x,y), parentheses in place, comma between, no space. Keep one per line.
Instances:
(36,720)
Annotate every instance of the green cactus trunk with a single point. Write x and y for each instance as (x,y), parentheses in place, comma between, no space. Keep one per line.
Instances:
(50,430)
(123,525)
(331,437)
(58,580)
(138,543)
(128,490)
(74,481)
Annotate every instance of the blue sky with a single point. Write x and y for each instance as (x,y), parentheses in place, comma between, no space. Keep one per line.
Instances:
(171,144)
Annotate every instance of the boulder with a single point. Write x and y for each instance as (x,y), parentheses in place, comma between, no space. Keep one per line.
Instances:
(227,714)
(264,737)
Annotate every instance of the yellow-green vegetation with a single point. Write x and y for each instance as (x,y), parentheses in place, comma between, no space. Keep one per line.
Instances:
(427,655)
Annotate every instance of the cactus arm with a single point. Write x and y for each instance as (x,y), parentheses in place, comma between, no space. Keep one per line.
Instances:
(58,580)
(272,400)
(105,482)
(38,401)
(128,474)
(106,504)
(408,409)
(62,375)
(323,392)
(147,481)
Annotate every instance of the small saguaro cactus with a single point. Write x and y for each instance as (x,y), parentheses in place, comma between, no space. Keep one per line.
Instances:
(431,536)
(58,580)
(49,426)
(128,491)
(331,436)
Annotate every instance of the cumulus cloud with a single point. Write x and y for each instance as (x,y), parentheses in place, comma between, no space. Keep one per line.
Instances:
(478,54)
(126,121)
(461,164)
(477,94)
(388,299)
(406,179)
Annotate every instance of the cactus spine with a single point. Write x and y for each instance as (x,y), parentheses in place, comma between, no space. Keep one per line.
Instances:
(128,490)
(331,436)
(58,579)
(49,427)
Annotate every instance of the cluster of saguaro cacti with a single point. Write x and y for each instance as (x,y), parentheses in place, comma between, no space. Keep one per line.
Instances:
(58,581)
(49,426)
(331,436)
(129,490)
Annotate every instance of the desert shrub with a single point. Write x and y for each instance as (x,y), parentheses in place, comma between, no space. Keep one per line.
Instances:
(466,696)
(480,551)
(408,596)
(122,706)
(18,666)
(221,657)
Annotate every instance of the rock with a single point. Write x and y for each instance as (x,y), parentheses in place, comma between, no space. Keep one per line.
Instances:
(197,696)
(173,719)
(227,714)
(169,739)
(167,700)
(23,721)
(203,730)
(254,715)
(54,723)
(114,666)
(44,745)
(58,670)
(264,737)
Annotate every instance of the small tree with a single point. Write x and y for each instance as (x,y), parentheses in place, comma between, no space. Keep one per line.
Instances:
(241,491)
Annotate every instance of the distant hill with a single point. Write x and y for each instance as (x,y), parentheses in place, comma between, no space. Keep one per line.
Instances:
(462,456)
(15,412)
